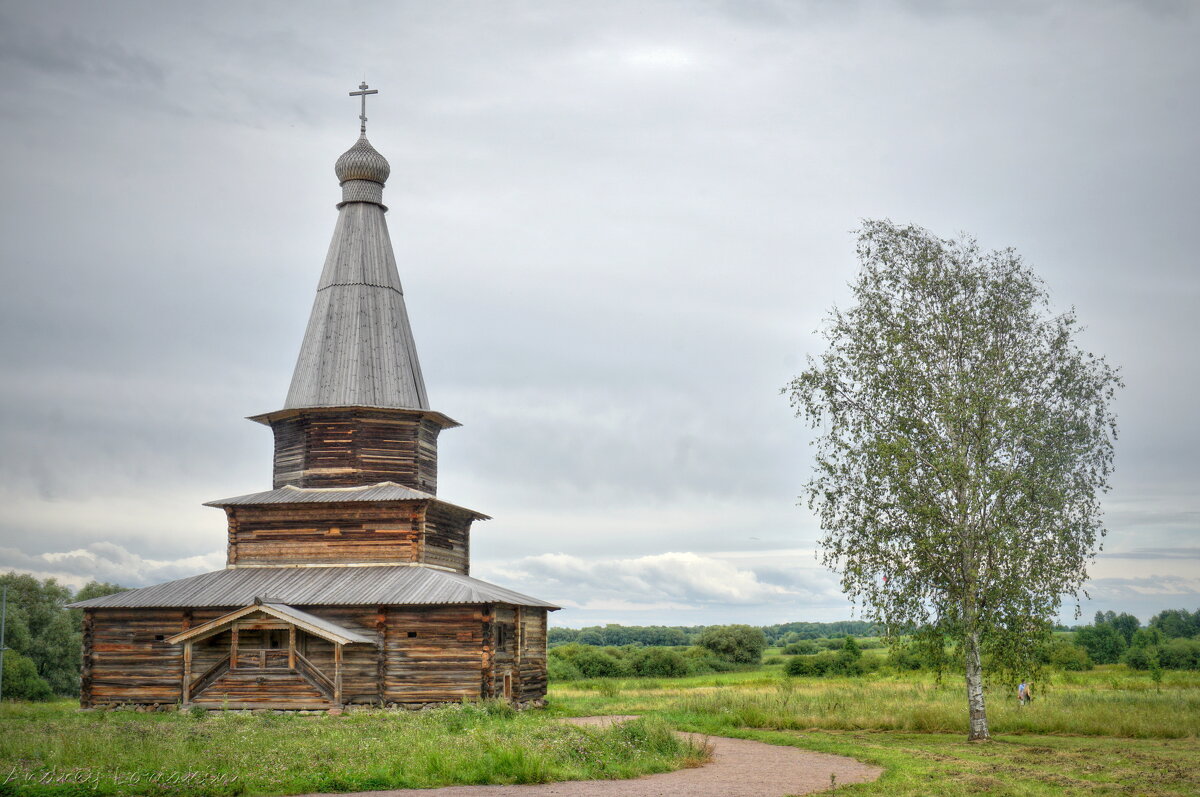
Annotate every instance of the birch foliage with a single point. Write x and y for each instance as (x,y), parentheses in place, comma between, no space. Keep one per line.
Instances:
(964,439)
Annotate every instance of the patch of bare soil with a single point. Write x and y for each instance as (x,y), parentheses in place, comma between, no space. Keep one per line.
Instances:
(739,768)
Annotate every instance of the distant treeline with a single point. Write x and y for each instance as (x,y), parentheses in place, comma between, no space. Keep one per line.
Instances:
(616,636)
(1170,641)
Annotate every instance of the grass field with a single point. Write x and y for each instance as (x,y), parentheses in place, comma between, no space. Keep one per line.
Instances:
(54,749)
(1110,731)
(1105,732)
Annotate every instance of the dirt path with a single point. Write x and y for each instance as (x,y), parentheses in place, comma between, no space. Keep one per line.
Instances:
(739,768)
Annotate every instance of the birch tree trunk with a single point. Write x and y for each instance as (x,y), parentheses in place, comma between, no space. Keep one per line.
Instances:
(979,723)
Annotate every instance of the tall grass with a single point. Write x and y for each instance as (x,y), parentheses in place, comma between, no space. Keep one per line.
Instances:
(928,709)
(54,749)
(1102,703)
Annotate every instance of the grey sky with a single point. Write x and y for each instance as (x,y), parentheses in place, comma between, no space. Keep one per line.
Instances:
(618,225)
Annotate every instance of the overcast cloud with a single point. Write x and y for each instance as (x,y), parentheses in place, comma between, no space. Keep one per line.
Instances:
(618,225)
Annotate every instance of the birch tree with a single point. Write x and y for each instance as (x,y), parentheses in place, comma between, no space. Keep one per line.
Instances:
(963,441)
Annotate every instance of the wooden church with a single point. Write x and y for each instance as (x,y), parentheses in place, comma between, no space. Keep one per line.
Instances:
(348,583)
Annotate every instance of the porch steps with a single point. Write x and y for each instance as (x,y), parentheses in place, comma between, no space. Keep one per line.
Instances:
(261,688)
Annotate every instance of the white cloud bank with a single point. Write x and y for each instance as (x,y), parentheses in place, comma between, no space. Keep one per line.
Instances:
(106,561)
(669,588)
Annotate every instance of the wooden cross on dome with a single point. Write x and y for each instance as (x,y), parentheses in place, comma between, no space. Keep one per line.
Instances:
(362,92)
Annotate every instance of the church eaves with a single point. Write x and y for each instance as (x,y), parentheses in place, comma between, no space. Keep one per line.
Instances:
(358,349)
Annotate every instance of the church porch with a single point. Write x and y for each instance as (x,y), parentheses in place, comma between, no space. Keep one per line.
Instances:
(266,656)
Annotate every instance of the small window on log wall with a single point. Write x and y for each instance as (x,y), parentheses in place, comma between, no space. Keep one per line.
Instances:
(412,634)
(504,634)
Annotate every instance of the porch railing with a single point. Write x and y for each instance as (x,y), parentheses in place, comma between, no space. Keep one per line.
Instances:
(262,659)
(318,679)
(209,677)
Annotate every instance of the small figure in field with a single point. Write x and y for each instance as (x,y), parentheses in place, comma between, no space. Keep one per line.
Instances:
(1024,695)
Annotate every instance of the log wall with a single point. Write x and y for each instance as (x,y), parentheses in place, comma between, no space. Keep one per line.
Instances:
(433,654)
(276,534)
(422,655)
(341,447)
(128,660)
(350,533)
(447,538)
(505,670)
(531,665)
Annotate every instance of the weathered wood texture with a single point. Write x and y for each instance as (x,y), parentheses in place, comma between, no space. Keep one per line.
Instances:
(247,688)
(447,541)
(325,533)
(531,665)
(433,654)
(421,655)
(350,532)
(128,659)
(352,447)
(504,652)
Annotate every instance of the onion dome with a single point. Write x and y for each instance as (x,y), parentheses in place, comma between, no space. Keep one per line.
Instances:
(362,162)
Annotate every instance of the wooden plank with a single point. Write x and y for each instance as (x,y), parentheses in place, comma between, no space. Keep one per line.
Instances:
(337,675)
(381,630)
(186,683)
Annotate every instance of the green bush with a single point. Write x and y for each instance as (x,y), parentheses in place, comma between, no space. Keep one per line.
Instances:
(656,663)
(740,644)
(829,663)
(598,663)
(802,648)
(21,679)
(702,661)
(1180,654)
(1140,658)
(815,665)
(1068,657)
(906,658)
(560,669)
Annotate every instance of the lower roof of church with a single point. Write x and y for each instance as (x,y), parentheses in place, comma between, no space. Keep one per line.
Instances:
(385,585)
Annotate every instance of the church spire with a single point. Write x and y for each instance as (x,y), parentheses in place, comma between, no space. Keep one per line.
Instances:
(358,349)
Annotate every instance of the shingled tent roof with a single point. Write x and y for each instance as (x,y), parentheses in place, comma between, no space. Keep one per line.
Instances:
(387,585)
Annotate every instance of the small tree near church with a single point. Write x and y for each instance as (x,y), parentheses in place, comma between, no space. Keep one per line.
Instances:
(963,441)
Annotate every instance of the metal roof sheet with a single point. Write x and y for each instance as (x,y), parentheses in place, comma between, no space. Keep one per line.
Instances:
(389,585)
(384,491)
(288,494)
(268,418)
(358,348)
